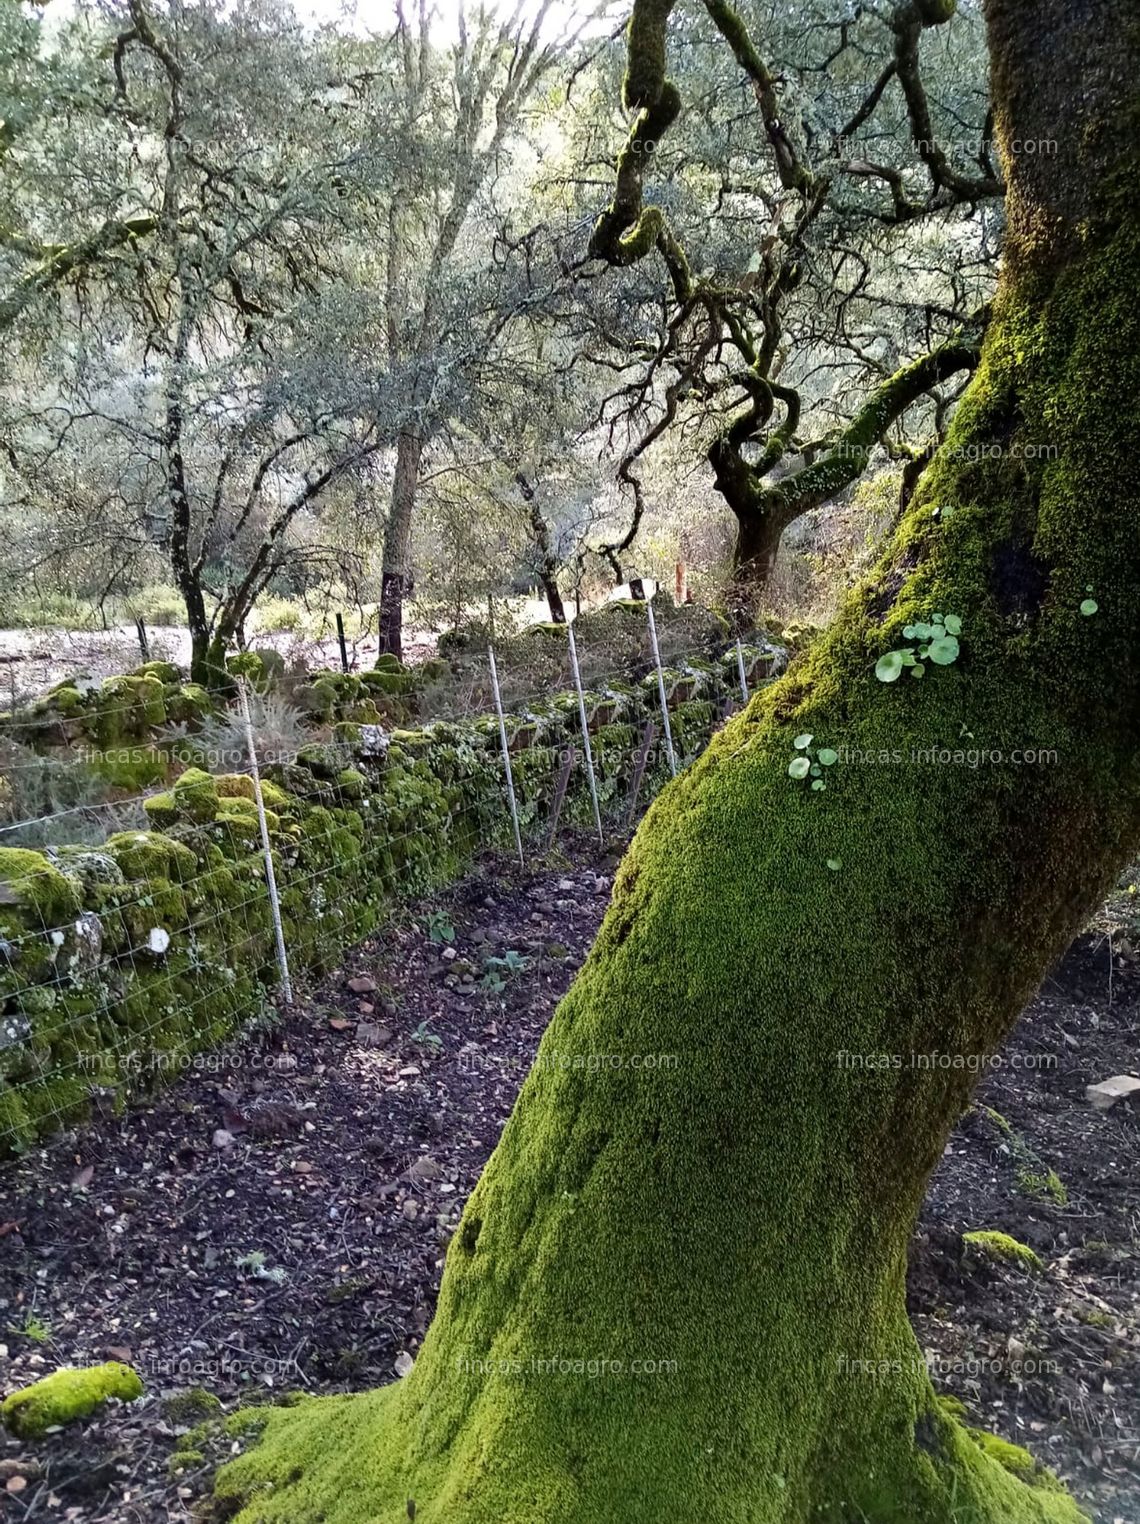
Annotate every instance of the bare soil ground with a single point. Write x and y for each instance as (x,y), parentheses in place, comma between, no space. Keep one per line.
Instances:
(276,1218)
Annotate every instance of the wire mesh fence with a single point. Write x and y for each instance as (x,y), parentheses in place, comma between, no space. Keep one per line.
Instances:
(123,960)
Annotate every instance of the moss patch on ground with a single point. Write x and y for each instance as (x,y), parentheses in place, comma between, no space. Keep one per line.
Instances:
(67,1395)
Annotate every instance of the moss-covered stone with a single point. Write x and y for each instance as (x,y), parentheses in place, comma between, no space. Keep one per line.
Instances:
(35,884)
(240,786)
(165,671)
(247,664)
(151,854)
(67,1395)
(192,1406)
(1003,1249)
(196,795)
(161,809)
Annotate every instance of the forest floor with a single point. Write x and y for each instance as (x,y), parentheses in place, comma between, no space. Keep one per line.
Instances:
(276,1218)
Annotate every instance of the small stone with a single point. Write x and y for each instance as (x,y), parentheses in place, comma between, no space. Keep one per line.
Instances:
(370,1034)
(362,985)
(411,1209)
(402,1365)
(223,1138)
(424,1169)
(448,954)
(1119,1088)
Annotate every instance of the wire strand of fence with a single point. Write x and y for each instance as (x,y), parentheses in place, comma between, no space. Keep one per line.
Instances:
(139,938)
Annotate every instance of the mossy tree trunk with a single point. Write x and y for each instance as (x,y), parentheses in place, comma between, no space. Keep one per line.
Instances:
(736,1217)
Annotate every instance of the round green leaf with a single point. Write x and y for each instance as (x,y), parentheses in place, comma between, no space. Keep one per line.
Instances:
(818,784)
(1089,606)
(815,769)
(937,619)
(835,863)
(799,767)
(953,625)
(943,651)
(802,742)
(888,666)
(908,631)
(826,757)
(917,670)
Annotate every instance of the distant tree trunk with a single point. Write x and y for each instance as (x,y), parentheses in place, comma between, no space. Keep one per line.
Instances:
(553,597)
(677,1292)
(547,562)
(394,571)
(187,576)
(758,537)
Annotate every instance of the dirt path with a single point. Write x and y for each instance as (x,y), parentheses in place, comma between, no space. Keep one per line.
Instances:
(277,1219)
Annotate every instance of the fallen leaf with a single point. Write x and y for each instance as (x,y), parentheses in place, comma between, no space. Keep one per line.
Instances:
(83,1177)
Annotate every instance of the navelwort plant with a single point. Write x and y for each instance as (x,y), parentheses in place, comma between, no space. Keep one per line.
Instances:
(938,643)
(809,764)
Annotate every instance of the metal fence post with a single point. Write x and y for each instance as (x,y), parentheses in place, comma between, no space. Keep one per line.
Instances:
(661,687)
(341,643)
(740,672)
(585,733)
(270,876)
(506,755)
